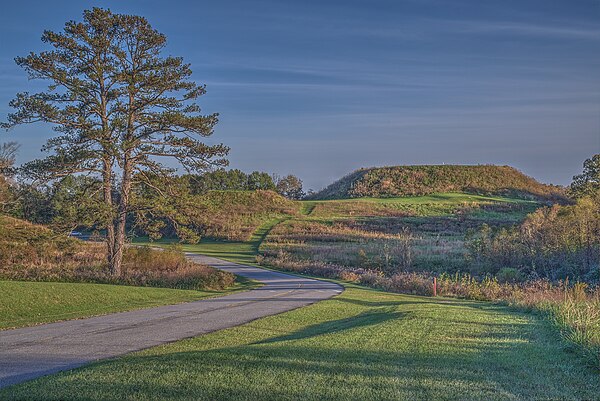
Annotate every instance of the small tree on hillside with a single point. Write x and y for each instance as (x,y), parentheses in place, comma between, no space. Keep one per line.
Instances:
(8,156)
(290,186)
(118,107)
(258,180)
(587,183)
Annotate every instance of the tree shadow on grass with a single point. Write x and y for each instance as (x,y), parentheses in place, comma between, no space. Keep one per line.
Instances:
(335,326)
(276,371)
(408,299)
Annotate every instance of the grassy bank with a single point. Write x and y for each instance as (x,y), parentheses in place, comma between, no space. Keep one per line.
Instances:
(29,303)
(363,344)
(385,182)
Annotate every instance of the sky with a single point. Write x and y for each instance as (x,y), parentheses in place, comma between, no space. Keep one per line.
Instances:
(321,88)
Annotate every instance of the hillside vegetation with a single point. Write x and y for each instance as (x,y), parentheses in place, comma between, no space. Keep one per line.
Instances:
(382,182)
(47,277)
(35,253)
(236,215)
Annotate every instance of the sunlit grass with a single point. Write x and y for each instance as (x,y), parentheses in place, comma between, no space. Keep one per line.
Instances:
(361,345)
(28,303)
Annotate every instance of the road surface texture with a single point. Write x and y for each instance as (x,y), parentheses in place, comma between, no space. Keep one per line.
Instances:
(31,352)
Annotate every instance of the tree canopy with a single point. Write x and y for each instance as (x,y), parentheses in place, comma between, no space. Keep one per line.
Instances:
(587,183)
(290,186)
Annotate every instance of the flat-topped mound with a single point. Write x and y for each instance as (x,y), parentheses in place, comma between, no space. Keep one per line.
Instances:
(383,182)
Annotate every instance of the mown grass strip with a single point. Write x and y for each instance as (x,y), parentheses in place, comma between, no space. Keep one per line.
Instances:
(29,303)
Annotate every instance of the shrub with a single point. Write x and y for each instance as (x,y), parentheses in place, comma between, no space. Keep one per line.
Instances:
(553,242)
(509,275)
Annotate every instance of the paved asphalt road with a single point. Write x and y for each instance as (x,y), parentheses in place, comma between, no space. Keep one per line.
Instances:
(31,352)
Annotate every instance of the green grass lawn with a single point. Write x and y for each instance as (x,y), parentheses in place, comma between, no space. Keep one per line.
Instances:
(361,345)
(28,303)
(434,205)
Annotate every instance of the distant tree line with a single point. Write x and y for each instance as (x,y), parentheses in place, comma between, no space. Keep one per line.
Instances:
(289,186)
(229,180)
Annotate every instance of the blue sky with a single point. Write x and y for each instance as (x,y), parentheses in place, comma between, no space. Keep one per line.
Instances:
(320,88)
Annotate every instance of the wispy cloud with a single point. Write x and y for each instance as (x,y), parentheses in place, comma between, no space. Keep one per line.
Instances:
(527,29)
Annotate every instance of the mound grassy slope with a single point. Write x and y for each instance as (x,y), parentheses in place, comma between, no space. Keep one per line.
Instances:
(236,215)
(381,182)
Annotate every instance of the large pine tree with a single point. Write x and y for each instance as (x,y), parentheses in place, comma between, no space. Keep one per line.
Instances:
(119,107)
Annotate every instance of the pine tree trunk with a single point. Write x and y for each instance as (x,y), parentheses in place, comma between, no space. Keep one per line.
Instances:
(110,224)
(120,237)
(118,250)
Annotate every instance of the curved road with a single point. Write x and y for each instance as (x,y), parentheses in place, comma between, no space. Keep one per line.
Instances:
(31,352)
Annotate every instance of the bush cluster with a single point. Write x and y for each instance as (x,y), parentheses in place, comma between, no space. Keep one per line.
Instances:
(34,253)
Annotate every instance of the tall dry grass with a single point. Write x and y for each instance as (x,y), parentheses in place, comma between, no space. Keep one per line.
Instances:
(34,253)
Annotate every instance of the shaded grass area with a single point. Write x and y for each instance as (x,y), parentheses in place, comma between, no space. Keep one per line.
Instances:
(28,303)
(362,345)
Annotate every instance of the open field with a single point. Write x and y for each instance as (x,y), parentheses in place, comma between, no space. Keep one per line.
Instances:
(363,344)
(421,233)
(400,244)
(28,303)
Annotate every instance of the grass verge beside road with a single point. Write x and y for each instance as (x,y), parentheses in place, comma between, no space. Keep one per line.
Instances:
(29,303)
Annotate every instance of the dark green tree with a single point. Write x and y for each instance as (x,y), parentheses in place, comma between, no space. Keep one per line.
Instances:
(258,180)
(119,108)
(290,186)
(587,183)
